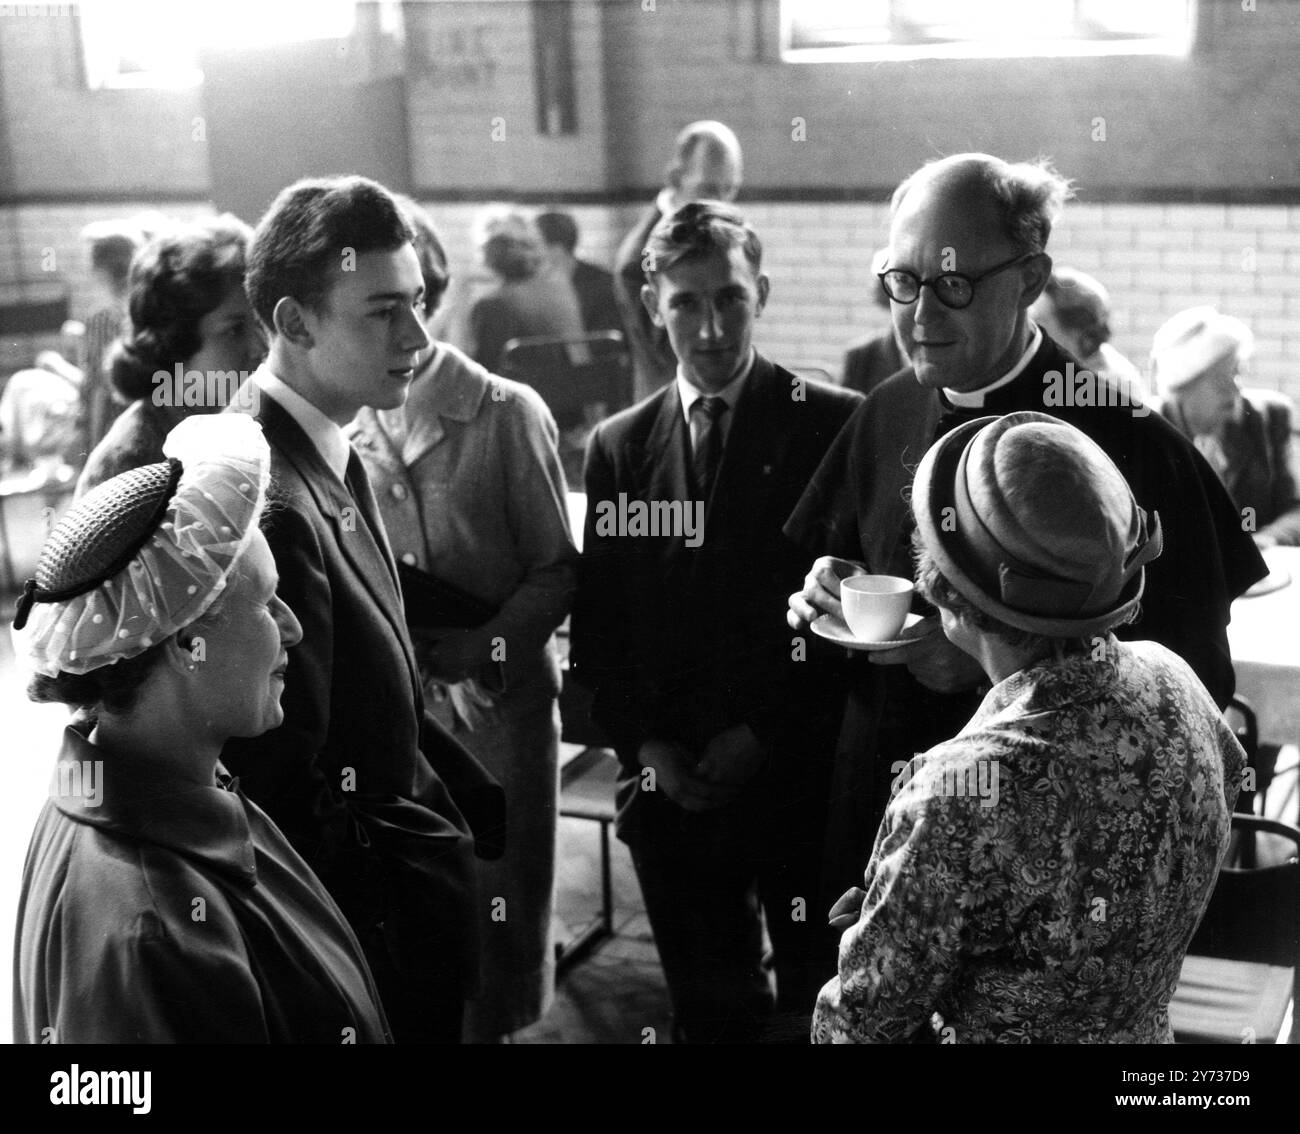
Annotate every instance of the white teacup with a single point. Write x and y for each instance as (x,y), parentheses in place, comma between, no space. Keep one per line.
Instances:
(875,606)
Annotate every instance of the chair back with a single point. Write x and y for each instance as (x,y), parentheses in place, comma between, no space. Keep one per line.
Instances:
(582,378)
(1254,912)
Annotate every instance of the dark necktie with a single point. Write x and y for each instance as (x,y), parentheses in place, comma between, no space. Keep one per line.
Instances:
(358,484)
(708,443)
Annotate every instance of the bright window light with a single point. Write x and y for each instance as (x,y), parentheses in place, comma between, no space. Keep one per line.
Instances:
(815,31)
(154,43)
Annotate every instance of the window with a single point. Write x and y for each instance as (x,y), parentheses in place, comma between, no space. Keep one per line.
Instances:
(881,30)
(156,43)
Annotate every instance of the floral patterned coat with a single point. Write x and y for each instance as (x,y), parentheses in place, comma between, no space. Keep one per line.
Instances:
(1038,878)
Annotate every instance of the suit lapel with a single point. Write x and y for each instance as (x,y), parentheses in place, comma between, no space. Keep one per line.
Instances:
(755,450)
(665,468)
(344,514)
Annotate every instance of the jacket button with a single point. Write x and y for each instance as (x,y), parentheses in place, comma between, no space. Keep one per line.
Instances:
(408,557)
(398,491)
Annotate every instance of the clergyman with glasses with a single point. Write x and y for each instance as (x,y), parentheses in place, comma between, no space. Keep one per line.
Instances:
(966,260)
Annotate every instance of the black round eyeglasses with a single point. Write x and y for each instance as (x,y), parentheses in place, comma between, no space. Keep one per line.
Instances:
(952,289)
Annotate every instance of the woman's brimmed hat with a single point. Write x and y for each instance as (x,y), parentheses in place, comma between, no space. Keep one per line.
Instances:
(1034,525)
(146,553)
(1189,343)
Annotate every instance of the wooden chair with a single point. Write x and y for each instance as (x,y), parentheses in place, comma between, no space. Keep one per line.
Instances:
(1241,975)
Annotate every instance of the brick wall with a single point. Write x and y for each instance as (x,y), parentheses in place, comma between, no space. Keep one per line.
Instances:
(1218,126)
(1155,259)
(472,108)
(1224,117)
(28,233)
(64,138)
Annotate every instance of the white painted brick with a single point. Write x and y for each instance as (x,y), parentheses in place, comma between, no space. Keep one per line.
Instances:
(1195,216)
(1259,217)
(1137,216)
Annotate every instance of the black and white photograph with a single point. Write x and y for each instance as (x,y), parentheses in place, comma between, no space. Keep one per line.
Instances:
(638,522)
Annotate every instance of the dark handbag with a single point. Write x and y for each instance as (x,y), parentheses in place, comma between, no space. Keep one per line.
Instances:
(434,604)
(473,789)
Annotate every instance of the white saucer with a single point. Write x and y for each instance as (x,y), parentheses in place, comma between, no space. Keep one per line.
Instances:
(1277,578)
(834,630)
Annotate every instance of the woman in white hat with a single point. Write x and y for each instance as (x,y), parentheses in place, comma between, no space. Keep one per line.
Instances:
(158,903)
(1197,358)
(1038,877)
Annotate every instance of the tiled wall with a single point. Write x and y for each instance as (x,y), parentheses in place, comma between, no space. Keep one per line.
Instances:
(1216,126)
(1155,259)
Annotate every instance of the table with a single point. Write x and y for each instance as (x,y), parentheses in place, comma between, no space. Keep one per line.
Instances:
(1264,635)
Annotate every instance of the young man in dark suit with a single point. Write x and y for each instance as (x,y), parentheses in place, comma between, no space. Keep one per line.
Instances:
(355,774)
(722,728)
(706,165)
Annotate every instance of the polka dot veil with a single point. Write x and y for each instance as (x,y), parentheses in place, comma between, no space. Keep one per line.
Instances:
(182,567)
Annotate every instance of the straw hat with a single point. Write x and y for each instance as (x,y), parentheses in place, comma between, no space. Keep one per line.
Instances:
(1033,524)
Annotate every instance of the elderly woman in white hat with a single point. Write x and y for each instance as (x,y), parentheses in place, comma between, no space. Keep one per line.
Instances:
(1038,877)
(1197,359)
(158,903)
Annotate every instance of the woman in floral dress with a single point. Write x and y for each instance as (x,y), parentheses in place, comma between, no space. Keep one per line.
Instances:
(1038,877)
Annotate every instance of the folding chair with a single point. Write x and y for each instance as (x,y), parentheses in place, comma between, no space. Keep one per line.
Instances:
(1240,979)
(582,379)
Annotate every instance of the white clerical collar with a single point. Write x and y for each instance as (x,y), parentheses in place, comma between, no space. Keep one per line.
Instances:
(730,393)
(324,434)
(974,399)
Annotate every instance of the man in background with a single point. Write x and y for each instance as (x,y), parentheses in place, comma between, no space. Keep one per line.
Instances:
(869,362)
(706,165)
(594,286)
(1074,309)
(111,244)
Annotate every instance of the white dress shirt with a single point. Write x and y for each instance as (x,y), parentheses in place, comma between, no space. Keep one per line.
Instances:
(730,393)
(324,434)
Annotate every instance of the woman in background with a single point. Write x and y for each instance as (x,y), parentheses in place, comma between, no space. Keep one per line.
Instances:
(526,302)
(112,244)
(471,491)
(1197,358)
(188,309)
(159,904)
